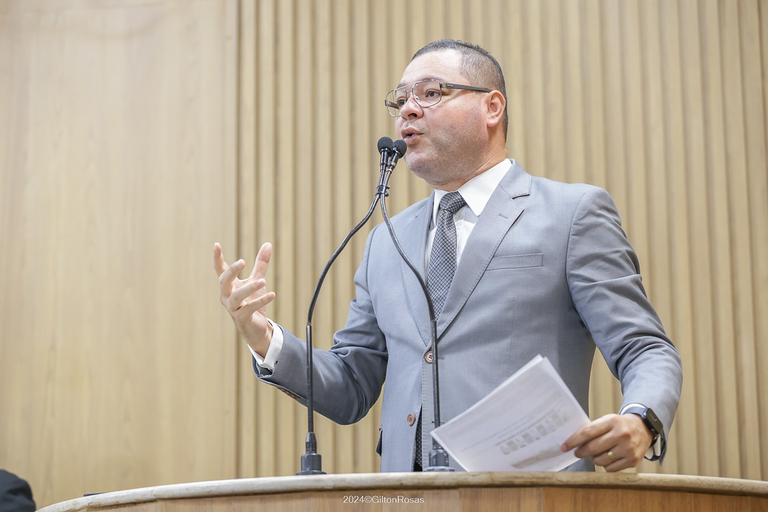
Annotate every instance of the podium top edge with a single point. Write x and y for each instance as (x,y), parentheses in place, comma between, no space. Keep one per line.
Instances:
(414,481)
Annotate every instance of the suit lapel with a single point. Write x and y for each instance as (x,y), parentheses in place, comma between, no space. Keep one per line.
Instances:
(413,239)
(492,226)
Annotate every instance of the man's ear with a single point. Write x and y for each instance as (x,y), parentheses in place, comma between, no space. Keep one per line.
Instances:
(495,105)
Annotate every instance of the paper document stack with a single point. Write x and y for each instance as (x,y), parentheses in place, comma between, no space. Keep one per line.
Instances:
(519,426)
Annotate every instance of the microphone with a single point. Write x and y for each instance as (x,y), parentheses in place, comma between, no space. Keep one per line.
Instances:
(438,457)
(396,151)
(311,461)
(385,149)
(399,148)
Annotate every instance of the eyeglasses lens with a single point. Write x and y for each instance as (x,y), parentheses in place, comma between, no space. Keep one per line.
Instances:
(426,93)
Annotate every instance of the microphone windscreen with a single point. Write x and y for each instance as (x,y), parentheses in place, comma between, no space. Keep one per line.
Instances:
(385,143)
(400,147)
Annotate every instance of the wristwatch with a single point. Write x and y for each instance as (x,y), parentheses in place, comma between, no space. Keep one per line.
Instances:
(654,425)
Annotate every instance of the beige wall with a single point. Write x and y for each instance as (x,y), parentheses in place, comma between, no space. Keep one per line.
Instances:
(134,134)
(117,151)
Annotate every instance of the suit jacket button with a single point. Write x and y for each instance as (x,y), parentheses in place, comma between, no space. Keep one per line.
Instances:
(411,419)
(428,357)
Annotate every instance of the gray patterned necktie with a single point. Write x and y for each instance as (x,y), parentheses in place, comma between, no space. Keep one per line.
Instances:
(442,267)
(442,262)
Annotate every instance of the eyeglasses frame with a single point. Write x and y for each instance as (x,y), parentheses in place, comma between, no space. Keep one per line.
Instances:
(441,85)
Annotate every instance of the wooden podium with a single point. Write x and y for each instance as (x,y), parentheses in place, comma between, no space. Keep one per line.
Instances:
(441,492)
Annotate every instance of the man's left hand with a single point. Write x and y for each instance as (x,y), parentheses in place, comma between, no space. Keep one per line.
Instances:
(614,441)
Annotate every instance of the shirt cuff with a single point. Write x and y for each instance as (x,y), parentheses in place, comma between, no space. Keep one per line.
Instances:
(273,352)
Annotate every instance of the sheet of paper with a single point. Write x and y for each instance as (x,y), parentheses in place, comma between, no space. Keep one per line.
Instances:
(519,426)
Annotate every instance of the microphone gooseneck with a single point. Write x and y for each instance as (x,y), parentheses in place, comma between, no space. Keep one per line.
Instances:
(438,457)
(311,461)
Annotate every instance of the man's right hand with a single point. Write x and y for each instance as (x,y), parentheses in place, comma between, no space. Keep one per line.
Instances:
(246,299)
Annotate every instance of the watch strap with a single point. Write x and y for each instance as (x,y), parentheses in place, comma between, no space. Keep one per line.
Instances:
(658,447)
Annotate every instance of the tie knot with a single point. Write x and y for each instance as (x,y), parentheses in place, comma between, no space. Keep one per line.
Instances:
(452,202)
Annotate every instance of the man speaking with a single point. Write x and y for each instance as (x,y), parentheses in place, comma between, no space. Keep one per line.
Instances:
(516,266)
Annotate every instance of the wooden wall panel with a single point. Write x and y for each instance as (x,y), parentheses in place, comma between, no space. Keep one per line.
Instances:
(117,167)
(660,102)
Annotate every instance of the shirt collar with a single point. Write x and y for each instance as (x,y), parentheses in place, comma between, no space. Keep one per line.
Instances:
(477,191)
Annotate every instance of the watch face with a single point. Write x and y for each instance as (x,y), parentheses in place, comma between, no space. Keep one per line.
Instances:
(653,421)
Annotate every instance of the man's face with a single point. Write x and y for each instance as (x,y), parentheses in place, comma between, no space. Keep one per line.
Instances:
(443,140)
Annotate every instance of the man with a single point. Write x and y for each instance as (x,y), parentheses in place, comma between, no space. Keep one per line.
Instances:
(534,267)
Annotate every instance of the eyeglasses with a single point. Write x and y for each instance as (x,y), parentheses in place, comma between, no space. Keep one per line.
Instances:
(427,93)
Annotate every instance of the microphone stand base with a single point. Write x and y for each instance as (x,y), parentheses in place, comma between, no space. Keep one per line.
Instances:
(438,462)
(438,469)
(311,464)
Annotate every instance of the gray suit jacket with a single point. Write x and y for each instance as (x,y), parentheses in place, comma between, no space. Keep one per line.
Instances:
(547,270)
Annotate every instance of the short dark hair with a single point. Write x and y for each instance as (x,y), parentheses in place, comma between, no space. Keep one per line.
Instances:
(477,65)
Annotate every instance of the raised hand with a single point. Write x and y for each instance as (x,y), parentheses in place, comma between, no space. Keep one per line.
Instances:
(246,299)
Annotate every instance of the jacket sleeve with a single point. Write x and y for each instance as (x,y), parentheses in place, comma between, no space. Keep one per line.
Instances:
(604,279)
(348,378)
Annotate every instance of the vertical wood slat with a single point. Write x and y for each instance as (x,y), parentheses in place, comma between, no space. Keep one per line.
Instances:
(659,237)
(740,218)
(247,448)
(717,197)
(344,125)
(551,69)
(534,87)
(701,289)
(268,447)
(326,103)
(757,176)
(289,414)
(515,76)
(364,178)
(575,128)
(303,147)
(761,235)
(681,322)
(231,21)
(636,209)
(597,154)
